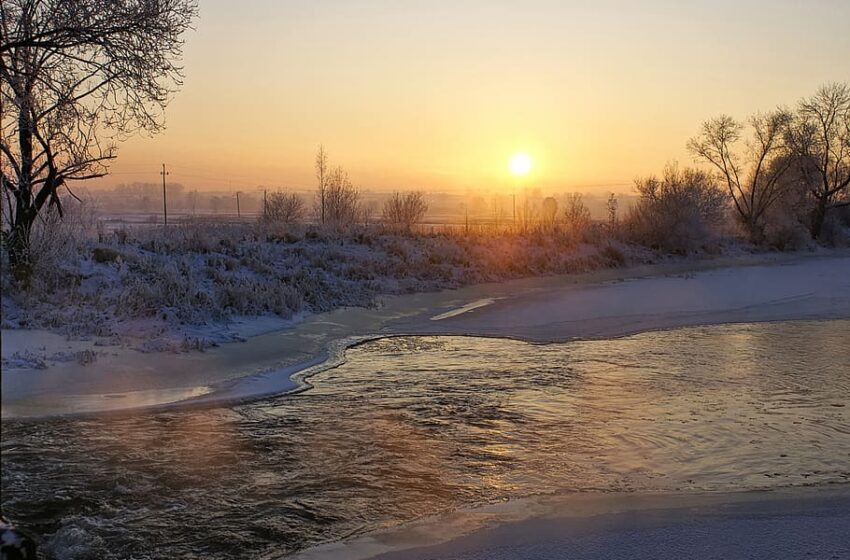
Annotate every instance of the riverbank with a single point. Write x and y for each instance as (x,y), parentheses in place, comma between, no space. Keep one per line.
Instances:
(197,285)
(602,303)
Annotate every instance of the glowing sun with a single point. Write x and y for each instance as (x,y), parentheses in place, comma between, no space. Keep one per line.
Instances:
(520,164)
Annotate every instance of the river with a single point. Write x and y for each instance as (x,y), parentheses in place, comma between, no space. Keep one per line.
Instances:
(415,426)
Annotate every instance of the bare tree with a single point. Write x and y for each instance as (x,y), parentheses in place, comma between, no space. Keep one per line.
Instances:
(283,208)
(321,166)
(77,76)
(819,138)
(752,176)
(342,200)
(404,211)
(576,214)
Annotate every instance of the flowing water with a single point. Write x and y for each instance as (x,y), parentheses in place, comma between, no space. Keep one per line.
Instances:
(414,426)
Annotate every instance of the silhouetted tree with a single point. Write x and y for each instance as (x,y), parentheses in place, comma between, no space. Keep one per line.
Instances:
(70,70)
(321,166)
(819,138)
(750,175)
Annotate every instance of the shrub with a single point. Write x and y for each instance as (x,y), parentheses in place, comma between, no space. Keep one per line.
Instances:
(282,208)
(679,212)
(339,201)
(404,211)
(576,216)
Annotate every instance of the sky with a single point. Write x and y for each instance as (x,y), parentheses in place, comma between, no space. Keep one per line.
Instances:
(438,95)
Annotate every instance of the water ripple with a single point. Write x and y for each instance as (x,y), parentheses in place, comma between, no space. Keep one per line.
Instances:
(413,426)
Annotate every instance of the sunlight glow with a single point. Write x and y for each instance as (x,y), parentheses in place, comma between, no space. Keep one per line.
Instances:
(520,164)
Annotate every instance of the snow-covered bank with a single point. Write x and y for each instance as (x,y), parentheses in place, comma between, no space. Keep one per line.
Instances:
(606,302)
(810,289)
(196,285)
(782,524)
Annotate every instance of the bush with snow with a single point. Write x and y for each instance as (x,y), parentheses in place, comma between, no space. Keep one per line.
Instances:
(679,212)
(283,209)
(403,211)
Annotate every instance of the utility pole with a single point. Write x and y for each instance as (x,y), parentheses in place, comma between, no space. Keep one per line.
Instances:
(164,199)
(238,213)
(265,203)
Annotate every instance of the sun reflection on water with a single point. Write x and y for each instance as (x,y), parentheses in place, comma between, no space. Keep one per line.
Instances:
(413,426)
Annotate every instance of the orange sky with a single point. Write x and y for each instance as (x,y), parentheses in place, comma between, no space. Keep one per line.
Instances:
(438,95)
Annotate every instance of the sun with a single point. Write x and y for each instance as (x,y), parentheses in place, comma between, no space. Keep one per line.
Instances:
(520,164)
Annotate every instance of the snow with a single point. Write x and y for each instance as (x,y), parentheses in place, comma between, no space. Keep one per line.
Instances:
(790,523)
(194,286)
(464,309)
(811,289)
(601,303)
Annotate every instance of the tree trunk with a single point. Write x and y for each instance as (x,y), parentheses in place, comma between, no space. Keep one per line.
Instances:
(18,247)
(818,218)
(18,238)
(755,230)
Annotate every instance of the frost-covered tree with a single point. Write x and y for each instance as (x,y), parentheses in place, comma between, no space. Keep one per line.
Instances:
(321,166)
(819,138)
(576,214)
(342,208)
(403,211)
(751,172)
(612,205)
(76,76)
(283,208)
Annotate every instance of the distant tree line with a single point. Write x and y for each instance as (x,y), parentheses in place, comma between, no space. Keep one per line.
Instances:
(338,204)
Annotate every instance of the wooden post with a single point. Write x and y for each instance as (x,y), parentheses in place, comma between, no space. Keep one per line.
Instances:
(164,198)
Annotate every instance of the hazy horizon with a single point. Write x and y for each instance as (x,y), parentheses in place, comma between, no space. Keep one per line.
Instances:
(437,98)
